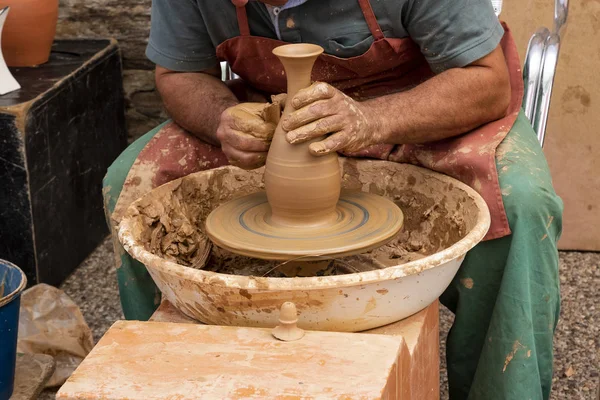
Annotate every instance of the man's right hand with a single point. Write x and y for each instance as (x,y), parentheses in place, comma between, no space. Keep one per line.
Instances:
(245,133)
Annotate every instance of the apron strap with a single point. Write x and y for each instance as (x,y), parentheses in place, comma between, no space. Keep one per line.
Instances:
(374,27)
(242,17)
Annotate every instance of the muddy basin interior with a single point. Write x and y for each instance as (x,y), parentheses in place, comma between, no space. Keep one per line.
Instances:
(443,219)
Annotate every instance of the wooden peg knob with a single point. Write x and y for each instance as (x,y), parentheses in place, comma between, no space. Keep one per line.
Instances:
(287,329)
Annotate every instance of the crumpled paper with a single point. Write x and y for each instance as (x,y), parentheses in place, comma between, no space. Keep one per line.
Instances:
(51,323)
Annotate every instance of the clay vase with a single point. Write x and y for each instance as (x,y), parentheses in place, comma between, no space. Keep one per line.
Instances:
(302,189)
(29,31)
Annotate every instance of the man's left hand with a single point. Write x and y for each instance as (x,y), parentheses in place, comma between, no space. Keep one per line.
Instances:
(321,109)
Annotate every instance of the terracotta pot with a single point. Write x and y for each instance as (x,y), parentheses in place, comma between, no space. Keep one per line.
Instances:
(29,31)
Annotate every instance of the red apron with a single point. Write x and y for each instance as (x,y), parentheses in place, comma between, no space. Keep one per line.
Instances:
(390,65)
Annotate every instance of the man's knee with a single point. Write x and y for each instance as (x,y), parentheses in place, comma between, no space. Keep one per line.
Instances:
(116,172)
(113,181)
(526,183)
(531,201)
(115,177)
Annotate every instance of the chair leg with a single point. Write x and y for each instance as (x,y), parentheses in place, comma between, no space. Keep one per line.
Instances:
(544,95)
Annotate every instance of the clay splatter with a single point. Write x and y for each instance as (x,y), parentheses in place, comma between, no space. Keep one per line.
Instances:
(467,282)
(516,347)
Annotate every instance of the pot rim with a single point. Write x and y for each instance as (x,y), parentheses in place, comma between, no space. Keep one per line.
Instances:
(15,293)
(155,263)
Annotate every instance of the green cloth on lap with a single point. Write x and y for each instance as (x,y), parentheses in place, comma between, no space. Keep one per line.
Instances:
(506,294)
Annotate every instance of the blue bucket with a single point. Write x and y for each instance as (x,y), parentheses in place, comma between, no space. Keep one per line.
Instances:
(10,300)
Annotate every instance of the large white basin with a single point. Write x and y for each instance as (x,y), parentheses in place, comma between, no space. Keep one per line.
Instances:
(451,216)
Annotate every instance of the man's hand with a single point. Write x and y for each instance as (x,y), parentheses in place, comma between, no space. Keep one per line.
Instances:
(321,109)
(245,132)
(449,104)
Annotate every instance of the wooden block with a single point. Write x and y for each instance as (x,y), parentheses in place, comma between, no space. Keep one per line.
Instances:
(420,359)
(157,360)
(418,369)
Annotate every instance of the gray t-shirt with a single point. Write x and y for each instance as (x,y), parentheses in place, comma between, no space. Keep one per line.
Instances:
(450,33)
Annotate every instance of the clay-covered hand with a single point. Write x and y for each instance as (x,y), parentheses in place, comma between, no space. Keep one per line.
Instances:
(245,132)
(321,110)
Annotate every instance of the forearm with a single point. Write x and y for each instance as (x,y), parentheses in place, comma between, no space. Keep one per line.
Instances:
(451,103)
(195,100)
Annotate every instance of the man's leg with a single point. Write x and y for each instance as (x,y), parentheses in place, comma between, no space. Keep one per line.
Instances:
(139,295)
(506,294)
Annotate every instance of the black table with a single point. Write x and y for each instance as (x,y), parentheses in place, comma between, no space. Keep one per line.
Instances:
(58,135)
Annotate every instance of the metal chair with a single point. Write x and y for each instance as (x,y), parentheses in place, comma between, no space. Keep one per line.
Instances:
(538,70)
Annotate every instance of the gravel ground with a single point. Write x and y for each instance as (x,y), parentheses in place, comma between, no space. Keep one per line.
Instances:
(93,286)
(577,343)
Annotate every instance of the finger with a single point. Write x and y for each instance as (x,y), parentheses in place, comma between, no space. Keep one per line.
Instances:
(315,129)
(246,160)
(308,114)
(316,91)
(332,143)
(244,142)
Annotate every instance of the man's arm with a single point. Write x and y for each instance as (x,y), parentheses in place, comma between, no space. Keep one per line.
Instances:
(206,107)
(195,100)
(187,78)
(453,102)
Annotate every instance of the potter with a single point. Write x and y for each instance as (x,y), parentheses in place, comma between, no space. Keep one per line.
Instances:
(437,84)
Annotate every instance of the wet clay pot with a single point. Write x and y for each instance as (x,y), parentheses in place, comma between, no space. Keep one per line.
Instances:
(302,189)
(29,31)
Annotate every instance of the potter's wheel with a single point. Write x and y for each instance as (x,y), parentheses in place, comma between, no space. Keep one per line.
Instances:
(360,222)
